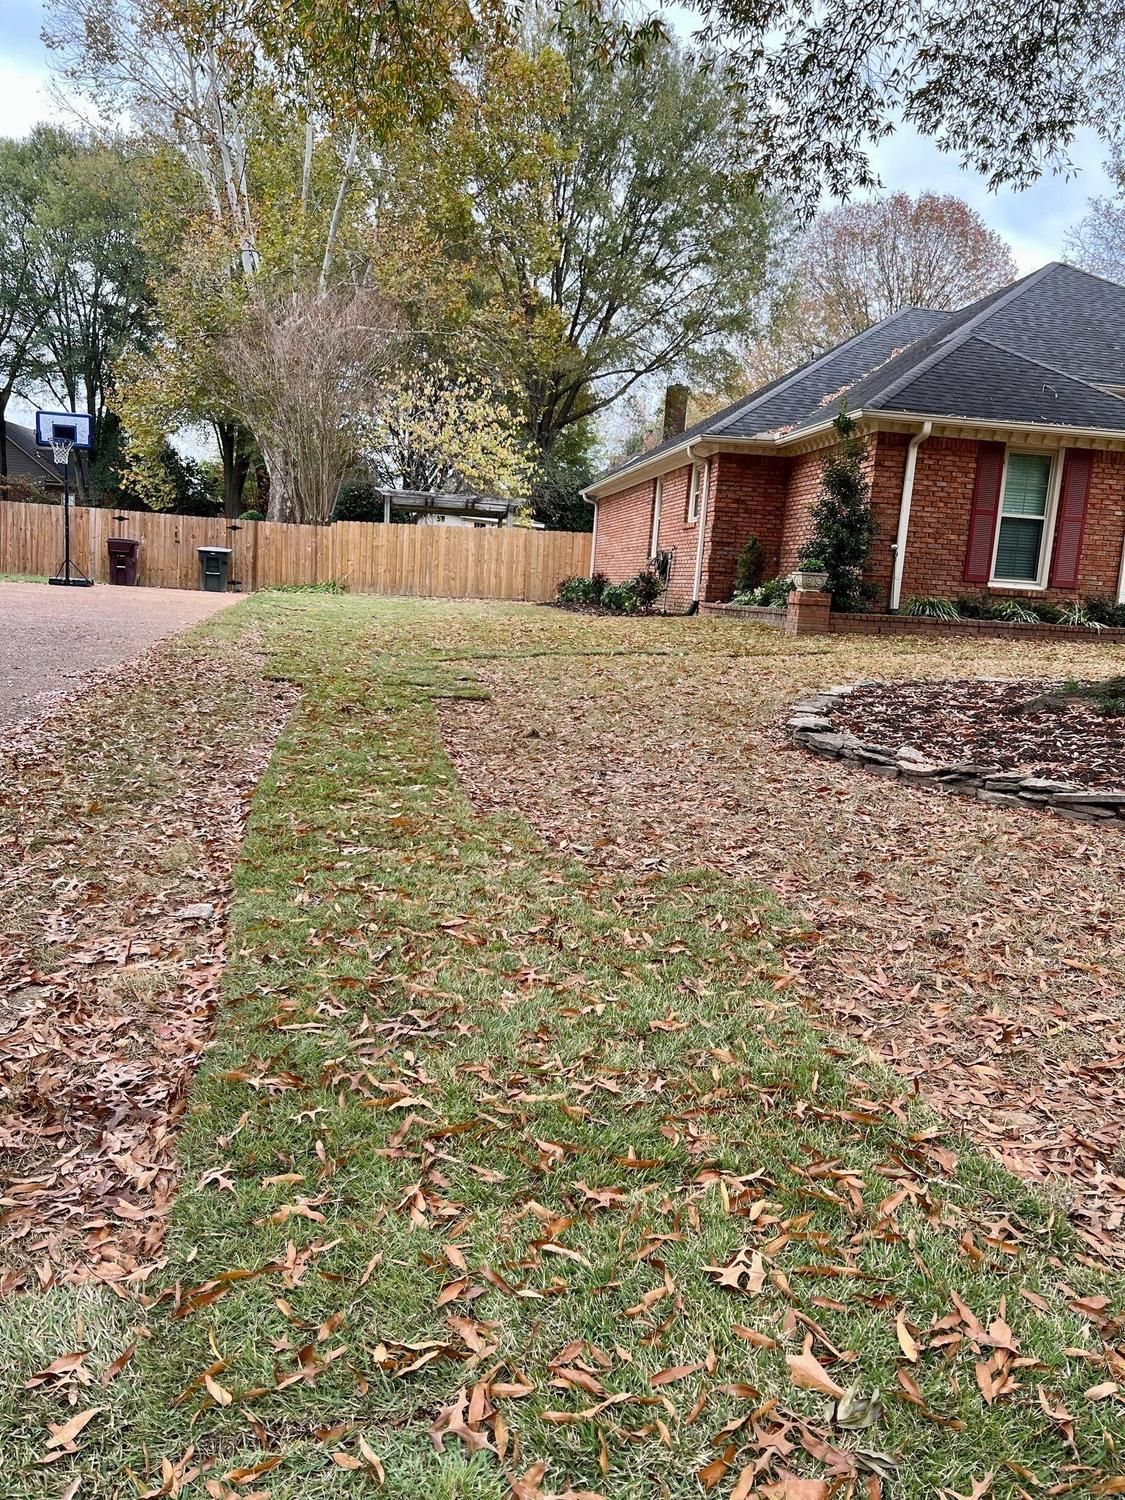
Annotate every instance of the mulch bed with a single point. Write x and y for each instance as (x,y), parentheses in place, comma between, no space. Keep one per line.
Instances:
(1032,725)
(121,815)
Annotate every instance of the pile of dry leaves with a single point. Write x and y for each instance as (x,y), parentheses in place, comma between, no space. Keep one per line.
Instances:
(977,951)
(113,892)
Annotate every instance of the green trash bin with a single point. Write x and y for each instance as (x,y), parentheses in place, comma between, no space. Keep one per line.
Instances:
(214,569)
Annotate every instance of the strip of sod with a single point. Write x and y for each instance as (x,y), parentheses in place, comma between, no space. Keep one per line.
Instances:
(502,1178)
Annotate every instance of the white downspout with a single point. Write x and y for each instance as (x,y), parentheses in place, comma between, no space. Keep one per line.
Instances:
(904,511)
(594,541)
(1121,577)
(701,522)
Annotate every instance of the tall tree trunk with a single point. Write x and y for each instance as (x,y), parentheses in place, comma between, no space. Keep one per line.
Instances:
(234,452)
(282,499)
(338,209)
(3,434)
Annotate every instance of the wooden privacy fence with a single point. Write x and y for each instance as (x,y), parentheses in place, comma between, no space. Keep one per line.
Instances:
(449,562)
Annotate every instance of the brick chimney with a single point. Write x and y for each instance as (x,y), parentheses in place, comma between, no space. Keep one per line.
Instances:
(675,410)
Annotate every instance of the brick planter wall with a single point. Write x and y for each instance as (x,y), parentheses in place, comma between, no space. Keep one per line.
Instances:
(884,624)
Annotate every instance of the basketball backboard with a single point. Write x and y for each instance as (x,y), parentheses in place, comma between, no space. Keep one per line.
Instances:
(56,428)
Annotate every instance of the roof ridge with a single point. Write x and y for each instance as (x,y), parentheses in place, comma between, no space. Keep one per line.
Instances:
(775,388)
(1067,265)
(959,335)
(1042,364)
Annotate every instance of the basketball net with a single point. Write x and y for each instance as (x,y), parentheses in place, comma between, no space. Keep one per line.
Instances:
(62,452)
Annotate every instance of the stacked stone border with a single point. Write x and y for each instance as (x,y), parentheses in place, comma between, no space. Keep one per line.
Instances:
(799,620)
(813,728)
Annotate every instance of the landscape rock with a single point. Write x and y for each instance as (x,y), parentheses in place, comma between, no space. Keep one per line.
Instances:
(812,726)
(810,722)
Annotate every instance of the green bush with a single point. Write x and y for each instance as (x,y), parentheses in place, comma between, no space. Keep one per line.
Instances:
(748,566)
(773,593)
(1074,612)
(929,607)
(636,595)
(252,515)
(358,500)
(647,587)
(619,599)
(843,528)
(577,591)
(1105,611)
(1015,612)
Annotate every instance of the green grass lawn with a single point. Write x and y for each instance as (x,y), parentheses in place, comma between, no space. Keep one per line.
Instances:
(503,1178)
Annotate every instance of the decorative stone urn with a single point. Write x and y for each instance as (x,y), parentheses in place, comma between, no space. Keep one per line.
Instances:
(806,579)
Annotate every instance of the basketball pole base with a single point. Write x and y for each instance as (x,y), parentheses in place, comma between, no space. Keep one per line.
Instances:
(72,583)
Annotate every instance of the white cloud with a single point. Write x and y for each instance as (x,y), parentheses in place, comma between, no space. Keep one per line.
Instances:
(1034,221)
(23,99)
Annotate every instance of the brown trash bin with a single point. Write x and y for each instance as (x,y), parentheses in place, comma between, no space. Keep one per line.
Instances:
(123,552)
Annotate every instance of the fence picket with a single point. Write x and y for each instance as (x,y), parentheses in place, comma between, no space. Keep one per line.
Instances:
(461,562)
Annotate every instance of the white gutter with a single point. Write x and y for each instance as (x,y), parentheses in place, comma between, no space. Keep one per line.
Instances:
(1121,577)
(701,522)
(594,539)
(904,510)
(891,420)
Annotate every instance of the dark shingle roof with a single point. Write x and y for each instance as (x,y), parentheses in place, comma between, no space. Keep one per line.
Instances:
(1035,352)
(25,460)
(785,400)
(1010,358)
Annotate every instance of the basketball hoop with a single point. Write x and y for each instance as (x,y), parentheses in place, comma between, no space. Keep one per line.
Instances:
(60,431)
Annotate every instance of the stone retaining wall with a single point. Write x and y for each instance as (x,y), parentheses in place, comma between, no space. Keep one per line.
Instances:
(813,728)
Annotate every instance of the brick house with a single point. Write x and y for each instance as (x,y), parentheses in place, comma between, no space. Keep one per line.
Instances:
(995,451)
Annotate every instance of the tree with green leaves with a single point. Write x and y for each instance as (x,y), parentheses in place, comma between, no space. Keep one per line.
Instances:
(23,292)
(90,272)
(179,379)
(603,210)
(842,525)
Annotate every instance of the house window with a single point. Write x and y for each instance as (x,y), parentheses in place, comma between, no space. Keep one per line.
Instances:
(657,506)
(696,490)
(1024,508)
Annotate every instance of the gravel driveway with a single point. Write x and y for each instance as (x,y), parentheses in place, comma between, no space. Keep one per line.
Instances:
(52,638)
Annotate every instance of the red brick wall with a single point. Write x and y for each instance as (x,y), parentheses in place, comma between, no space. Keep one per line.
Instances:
(804,485)
(771,498)
(747,499)
(678,537)
(886,465)
(624,532)
(939,525)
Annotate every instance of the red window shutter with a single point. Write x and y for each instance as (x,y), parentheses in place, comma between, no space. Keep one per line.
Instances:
(986,508)
(1072,517)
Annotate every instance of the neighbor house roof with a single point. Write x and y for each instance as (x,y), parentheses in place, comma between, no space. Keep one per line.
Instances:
(1039,352)
(25,460)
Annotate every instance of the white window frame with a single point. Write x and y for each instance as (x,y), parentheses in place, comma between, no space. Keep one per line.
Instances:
(697,484)
(1047,536)
(657,507)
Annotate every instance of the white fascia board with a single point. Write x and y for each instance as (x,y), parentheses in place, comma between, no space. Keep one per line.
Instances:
(943,425)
